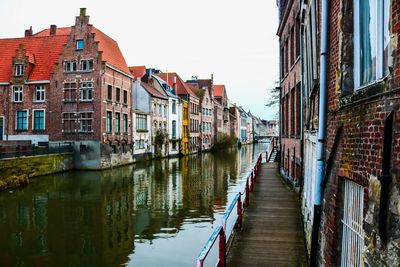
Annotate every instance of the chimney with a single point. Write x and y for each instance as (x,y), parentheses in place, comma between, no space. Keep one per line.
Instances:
(53,29)
(82,12)
(174,85)
(28,32)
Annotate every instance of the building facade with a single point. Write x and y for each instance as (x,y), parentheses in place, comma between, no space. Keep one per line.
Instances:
(290,84)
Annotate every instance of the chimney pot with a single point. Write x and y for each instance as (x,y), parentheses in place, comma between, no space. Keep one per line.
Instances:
(53,29)
(28,32)
(82,12)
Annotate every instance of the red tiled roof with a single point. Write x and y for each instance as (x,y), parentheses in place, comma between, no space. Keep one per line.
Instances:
(153,91)
(137,71)
(218,90)
(43,52)
(111,52)
(181,87)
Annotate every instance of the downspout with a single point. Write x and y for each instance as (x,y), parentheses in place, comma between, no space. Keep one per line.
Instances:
(321,134)
(301,107)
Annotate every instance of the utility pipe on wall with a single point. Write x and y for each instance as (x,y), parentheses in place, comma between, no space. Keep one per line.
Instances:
(318,196)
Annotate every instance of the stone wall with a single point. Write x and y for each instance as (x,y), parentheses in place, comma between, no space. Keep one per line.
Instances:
(16,172)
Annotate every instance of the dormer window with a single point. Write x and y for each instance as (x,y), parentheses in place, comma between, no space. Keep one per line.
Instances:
(86,65)
(69,66)
(79,44)
(19,69)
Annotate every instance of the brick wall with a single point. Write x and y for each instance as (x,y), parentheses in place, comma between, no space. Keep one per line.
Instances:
(358,154)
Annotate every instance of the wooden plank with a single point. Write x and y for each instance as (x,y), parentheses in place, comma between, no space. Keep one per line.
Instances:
(272,233)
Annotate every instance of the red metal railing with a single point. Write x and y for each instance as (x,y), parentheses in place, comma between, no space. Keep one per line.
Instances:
(230,221)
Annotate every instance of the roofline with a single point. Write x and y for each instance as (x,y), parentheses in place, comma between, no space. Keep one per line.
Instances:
(284,19)
(118,70)
(37,82)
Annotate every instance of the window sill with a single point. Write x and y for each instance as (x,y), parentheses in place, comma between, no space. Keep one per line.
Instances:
(86,71)
(141,131)
(38,101)
(82,100)
(363,93)
(17,102)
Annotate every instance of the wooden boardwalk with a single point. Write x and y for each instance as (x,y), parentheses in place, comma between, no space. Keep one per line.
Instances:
(272,233)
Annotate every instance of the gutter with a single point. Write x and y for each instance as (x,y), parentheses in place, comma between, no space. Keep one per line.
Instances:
(318,194)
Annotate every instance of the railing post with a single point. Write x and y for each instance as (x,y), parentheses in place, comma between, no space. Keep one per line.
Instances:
(246,203)
(222,249)
(252,181)
(239,213)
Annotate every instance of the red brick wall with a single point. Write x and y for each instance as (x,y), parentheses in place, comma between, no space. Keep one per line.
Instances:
(360,147)
(289,80)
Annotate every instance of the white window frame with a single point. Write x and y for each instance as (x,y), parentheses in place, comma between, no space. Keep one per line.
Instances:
(33,119)
(20,92)
(379,45)
(85,119)
(86,88)
(27,120)
(86,63)
(19,70)
(109,131)
(70,66)
(42,92)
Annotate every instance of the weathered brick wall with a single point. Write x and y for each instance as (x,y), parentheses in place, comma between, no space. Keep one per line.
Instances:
(359,154)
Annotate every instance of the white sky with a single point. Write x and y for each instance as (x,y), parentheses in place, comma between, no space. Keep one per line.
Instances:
(233,39)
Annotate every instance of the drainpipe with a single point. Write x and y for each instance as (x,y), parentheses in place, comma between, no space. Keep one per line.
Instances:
(318,196)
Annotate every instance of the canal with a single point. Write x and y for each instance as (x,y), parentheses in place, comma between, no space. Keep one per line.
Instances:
(158,213)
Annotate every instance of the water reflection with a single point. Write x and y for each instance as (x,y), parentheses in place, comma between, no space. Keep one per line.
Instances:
(159,213)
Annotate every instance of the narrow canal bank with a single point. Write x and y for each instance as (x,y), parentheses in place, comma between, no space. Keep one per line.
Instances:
(148,214)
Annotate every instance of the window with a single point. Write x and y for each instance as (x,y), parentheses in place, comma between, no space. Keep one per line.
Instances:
(371,41)
(86,122)
(125,123)
(17,94)
(117,122)
(79,44)
(174,129)
(140,144)
(19,69)
(165,111)
(69,66)
(87,65)
(125,97)
(38,120)
(160,110)
(86,91)
(141,122)
(117,94)
(292,42)
(22,120)
(109,92)
(109,122)
(352,225)
(173,106)
(69,92)
(68,120)
(39,93)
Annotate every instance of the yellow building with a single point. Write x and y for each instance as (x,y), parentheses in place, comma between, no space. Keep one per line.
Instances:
(185,128)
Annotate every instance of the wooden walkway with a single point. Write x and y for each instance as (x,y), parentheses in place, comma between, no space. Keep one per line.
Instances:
(272,233)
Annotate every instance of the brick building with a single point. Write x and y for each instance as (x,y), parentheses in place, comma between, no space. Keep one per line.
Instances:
(362,186)
(290,84)
(77,86)
(25,89)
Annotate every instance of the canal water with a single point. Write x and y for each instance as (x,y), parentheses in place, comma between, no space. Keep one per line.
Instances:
(158,213)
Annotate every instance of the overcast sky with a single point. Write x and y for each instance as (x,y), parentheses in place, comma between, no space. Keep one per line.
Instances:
(233,39)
